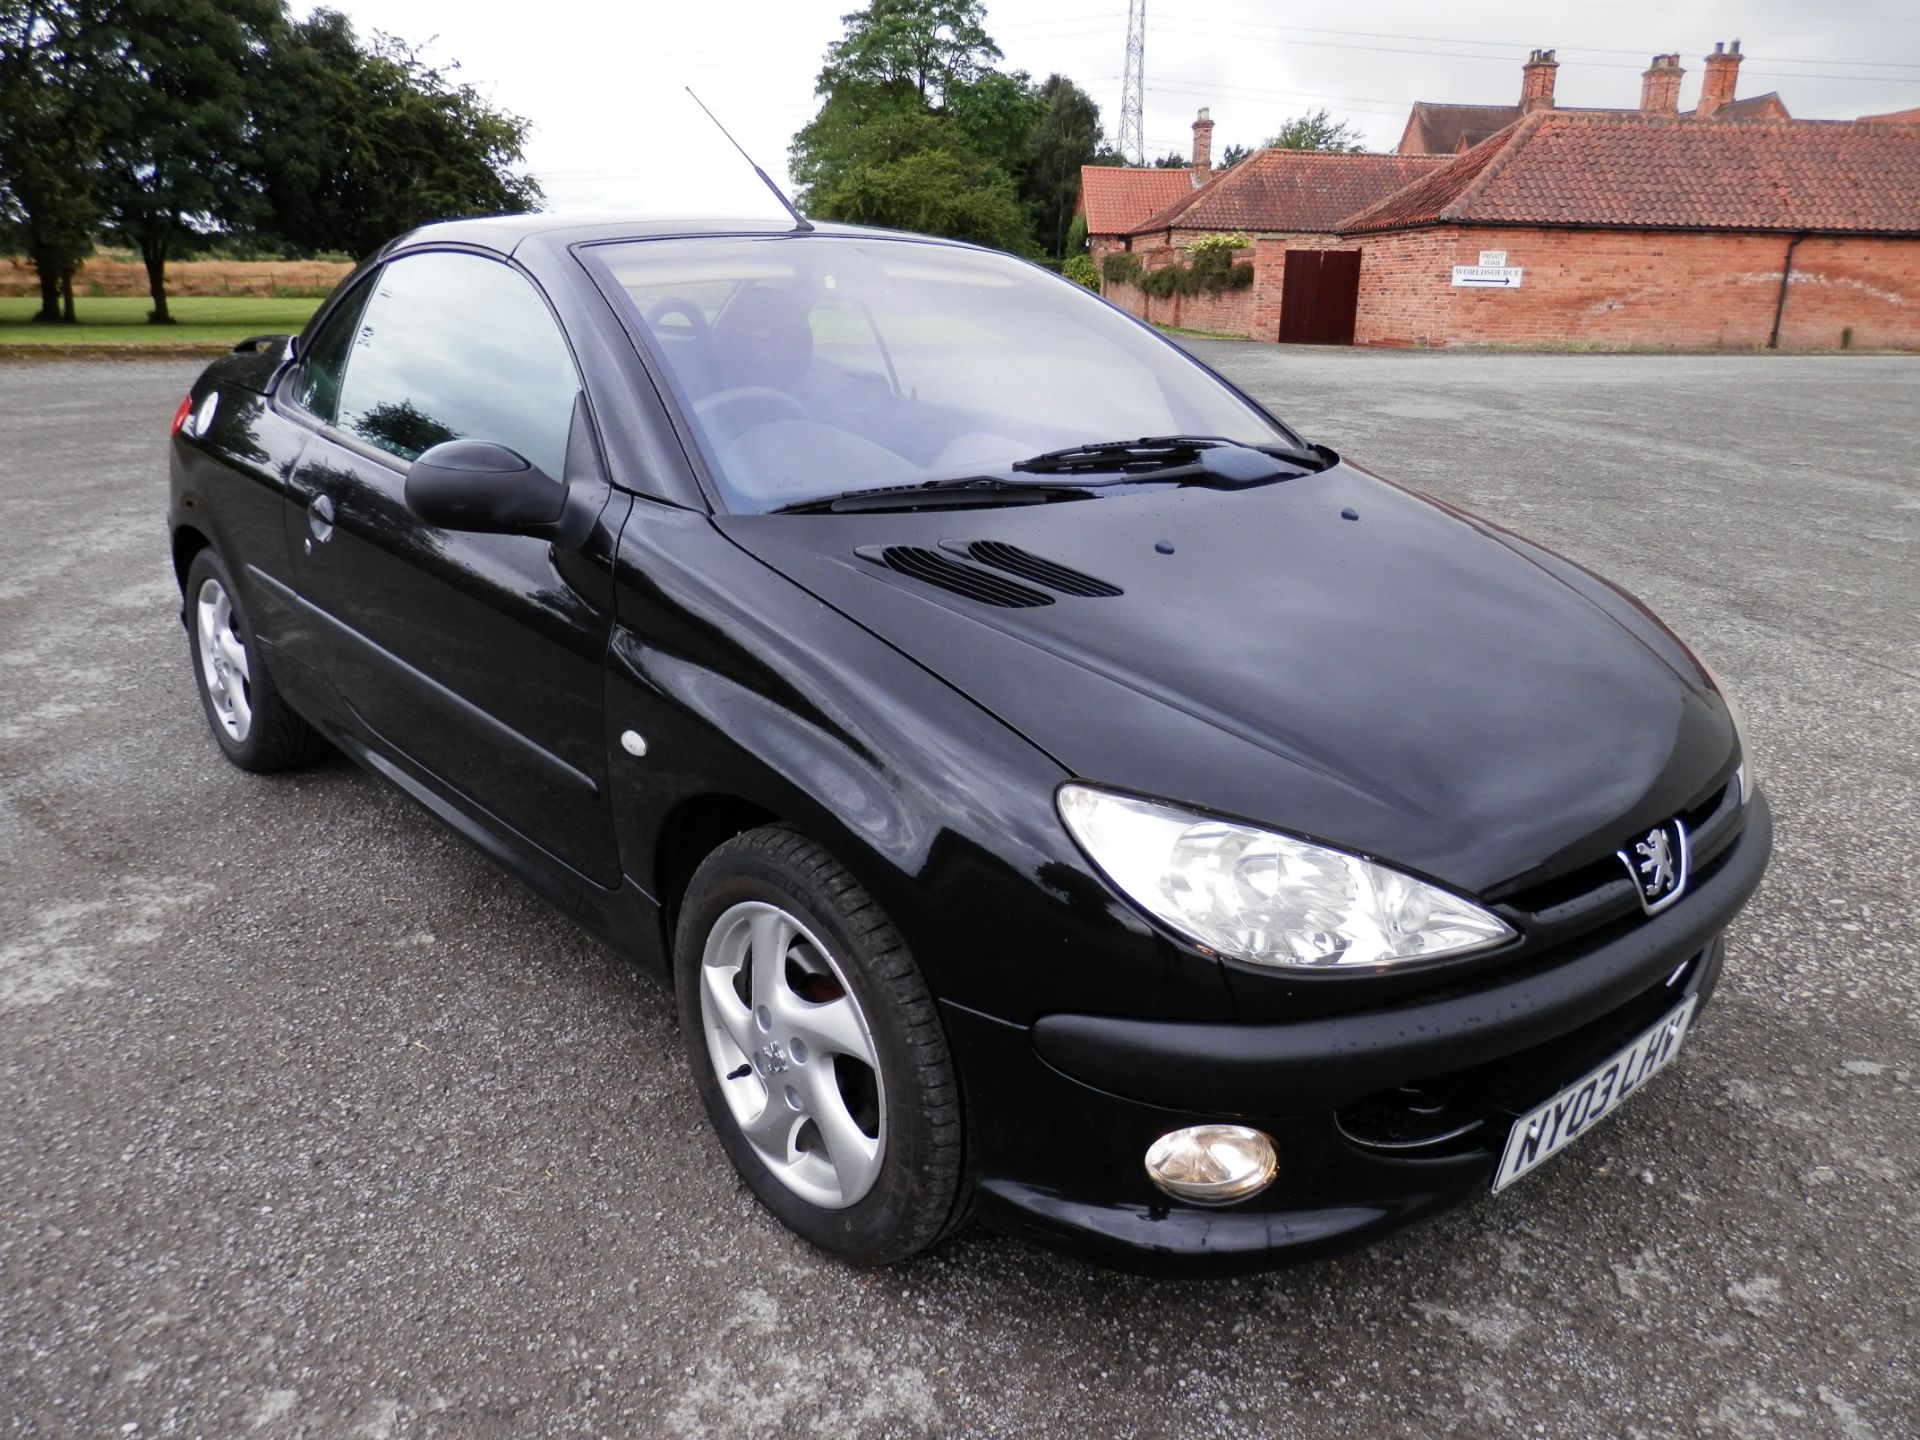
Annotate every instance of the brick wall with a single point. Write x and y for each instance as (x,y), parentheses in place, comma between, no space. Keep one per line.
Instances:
(1228,313)
(1639,288)
(1254,312)
(1405,298)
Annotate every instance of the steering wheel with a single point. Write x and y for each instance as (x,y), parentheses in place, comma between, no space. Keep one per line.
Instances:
(676,305)
(729,414)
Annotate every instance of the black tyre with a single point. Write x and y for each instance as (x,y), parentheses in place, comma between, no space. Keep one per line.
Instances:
(254,726)
(818,1051)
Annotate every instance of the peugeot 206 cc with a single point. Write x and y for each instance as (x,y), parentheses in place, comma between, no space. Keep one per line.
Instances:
(1055,791)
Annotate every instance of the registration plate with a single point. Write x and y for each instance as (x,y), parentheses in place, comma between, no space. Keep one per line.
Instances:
(1544,1133)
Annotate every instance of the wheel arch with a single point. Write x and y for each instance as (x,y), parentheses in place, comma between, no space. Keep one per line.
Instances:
(188,541)
(693,830)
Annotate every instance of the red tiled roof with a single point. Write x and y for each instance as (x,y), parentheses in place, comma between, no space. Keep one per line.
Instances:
(1290,190)
(1631,170)
(1115,198)
(1434,128)
(1896,117)
(1751,107)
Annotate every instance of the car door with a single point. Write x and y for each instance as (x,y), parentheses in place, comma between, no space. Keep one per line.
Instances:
(477,659)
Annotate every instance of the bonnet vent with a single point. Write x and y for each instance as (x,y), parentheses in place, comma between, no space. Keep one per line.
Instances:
(968,580)
(1028,566)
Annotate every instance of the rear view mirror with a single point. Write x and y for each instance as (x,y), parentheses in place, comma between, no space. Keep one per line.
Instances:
(477,485)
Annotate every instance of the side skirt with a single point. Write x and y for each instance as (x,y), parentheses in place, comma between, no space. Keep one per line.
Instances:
(626,920)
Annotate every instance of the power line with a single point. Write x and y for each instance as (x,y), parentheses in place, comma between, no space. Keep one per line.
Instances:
(1507,58)
(801,48)
(1244,25)
(1609,6)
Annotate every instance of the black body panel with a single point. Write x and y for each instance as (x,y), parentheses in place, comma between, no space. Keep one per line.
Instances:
(1417,684)
(477,655)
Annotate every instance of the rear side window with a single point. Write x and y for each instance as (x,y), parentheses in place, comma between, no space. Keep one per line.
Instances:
(458,347)
(318,388)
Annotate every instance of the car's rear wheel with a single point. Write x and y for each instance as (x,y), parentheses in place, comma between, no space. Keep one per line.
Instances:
(818,1050)
(252,723)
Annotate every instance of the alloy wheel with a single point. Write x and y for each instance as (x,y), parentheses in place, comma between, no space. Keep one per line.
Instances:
(794,1054)
(223,661)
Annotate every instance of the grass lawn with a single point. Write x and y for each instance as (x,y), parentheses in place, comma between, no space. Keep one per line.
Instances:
(120,322)
(1180,333)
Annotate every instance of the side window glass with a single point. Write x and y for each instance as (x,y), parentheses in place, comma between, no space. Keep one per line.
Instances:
(458,347)
(316,388)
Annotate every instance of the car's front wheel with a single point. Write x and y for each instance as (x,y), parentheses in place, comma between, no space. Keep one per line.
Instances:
(255,727)
(818,1050)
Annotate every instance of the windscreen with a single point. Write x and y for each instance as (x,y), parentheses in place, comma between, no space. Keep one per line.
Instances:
(811,366)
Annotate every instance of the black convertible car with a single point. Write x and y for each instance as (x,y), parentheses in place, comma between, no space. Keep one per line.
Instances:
(1055,790)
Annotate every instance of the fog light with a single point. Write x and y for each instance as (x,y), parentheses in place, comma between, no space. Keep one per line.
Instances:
(1212,1164)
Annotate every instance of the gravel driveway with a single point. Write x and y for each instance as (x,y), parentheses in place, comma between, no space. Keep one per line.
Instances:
(314,1125)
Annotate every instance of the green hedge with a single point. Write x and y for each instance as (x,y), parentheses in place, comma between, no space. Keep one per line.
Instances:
(1209,269)
(1079,269)
(1209,272)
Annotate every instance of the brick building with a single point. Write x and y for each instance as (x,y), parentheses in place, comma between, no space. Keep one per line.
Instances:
(1727,225)
(1281,200)
(1656,230)
(1443,128)
(1116,199)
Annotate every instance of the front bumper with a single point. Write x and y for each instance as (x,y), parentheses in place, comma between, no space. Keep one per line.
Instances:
(1065,1110)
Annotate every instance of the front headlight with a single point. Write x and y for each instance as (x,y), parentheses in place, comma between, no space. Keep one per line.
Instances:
(1268,898)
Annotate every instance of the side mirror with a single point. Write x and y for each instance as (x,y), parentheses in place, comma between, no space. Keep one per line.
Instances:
(477,485)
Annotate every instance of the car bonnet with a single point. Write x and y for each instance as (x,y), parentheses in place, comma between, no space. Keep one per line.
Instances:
(1333,656)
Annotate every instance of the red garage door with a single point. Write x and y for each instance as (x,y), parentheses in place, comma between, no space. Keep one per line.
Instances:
(1319,292)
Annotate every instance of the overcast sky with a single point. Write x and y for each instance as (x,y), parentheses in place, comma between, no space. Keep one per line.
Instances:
(602,80)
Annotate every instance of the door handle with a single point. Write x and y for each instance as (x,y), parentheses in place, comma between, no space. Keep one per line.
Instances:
(320,518)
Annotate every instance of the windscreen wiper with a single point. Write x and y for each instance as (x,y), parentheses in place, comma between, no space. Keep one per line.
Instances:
(1193,456)
(944,494)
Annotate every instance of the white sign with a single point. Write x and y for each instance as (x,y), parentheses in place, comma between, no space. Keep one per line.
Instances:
(1487,277)
(1493,257)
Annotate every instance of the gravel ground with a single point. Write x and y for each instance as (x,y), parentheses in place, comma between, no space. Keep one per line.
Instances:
(316,1126)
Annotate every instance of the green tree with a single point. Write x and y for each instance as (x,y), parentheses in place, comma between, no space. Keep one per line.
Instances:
(175,116)
(1233,155)
(917,129)
(1317,130)
(1066,136)
(935,191)
(910,173)
(995,117)
(50,139)
(930,47)
(356,144)
(1172,160)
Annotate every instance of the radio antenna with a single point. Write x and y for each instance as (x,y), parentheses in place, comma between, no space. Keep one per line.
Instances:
(800,222)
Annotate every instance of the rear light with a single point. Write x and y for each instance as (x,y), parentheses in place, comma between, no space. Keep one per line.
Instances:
(180,415)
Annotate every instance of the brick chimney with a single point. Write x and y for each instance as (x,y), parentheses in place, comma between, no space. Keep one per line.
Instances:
(1660,86)
(1536,81)
(1723,69)
(1203,140)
